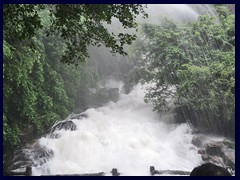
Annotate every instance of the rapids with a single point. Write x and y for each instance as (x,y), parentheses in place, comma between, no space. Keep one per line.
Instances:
(126,135)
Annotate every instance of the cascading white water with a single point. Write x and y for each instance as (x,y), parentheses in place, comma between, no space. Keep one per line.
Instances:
(125,135)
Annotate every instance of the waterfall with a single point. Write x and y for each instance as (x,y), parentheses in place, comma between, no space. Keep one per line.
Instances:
(126,135)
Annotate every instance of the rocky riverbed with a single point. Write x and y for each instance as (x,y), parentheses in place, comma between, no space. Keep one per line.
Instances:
(218,151)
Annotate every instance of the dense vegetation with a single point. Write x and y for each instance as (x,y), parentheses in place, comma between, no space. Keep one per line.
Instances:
(38,88)
(192,67)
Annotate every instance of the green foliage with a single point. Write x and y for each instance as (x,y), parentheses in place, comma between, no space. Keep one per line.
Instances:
(78,25)
(193,65)
(10,134)
(21,21)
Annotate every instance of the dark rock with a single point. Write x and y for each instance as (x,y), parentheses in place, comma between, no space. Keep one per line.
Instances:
(115,172)
(201,151)
(66,125)
(54,136)
(79,116)
(209,169)
(152,170)
(28,171)
(33,154)
(214,148)
(39,154)
(199,140)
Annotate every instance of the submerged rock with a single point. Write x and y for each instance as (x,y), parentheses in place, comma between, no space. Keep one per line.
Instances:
(228,156)
(41,155)
(217,160)
(66,125)
(33,154)
(77,115)
(54,136)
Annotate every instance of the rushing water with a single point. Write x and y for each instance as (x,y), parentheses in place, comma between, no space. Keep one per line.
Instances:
(125,135)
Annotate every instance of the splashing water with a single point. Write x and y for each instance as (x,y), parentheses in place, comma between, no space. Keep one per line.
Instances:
(176,12)
(125,135)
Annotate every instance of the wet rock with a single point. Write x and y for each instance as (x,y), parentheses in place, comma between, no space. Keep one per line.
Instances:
(66,125)
(79,116)
(214,148)
(205,157)
(201,151)
(53,136)
(216,160)
(115,172)
(228,156)
(199,140)
(41,155)
(218,152)
(33,154)
(228,144)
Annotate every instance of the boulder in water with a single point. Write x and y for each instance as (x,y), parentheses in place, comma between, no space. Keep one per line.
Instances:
(214,148)
(217,152)
(33,154)
(209,169)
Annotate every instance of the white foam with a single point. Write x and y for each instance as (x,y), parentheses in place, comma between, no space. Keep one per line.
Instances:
(125,135)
